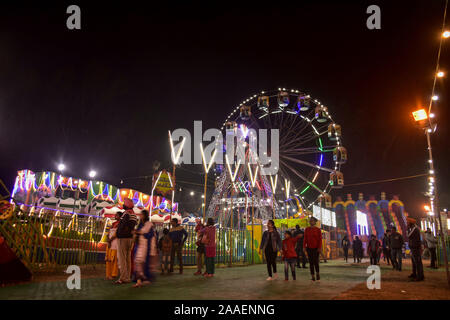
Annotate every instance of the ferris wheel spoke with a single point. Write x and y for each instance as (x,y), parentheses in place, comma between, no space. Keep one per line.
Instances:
(300,140)
(310,150)
(295,130)
(301,176)
(297,133)
(306,163)
(304,141)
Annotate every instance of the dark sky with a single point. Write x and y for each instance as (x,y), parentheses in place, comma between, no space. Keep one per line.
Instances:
(105,96)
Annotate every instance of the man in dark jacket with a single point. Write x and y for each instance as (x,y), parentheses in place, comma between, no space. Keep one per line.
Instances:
(345,245)
(386,247)
(124,235)
(178,235)
(301,257)
(415,244)
(357,250)
(396,243)
(372,249)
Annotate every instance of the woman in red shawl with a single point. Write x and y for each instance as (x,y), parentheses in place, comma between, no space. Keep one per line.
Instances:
(209,239)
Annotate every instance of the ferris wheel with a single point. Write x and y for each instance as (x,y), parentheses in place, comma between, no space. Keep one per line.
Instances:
(310,145)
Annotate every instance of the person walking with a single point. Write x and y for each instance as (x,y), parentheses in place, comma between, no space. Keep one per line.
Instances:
(396,245)
(146,248)
(209,241)
(345,244)
(313,244)
(112,266)
(301,257)
(165,248)
(201,251)
(415,245)
(357,250)
(386,247)
(125,229)
(372,249)
(270,245)
(178,235)
(431,244)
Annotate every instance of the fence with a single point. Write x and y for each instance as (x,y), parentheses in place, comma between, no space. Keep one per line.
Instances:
(45,239)
(236,251)
(440,251)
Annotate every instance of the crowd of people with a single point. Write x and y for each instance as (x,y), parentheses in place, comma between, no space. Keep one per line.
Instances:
(393,249)
(135,248)
(292,249)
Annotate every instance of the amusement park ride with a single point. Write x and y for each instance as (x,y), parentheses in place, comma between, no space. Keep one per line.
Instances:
(51,192)
(310,159)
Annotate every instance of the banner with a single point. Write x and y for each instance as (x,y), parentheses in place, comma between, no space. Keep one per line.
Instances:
(164,183)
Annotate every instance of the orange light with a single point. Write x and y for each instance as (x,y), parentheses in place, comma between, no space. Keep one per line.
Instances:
(446,34)
(427,208)
(124,192)
(440,74)
(420,115)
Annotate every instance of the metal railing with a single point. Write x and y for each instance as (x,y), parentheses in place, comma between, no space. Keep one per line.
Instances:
(45,239)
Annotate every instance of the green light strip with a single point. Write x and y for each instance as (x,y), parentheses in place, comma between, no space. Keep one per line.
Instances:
(304,190)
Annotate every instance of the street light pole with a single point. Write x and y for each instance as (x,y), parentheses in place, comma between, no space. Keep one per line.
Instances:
(435,205)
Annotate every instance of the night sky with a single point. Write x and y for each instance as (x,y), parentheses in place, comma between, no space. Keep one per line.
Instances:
(104,97)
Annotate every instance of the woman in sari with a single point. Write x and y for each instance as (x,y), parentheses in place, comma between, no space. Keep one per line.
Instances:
(209,240)
(145,247)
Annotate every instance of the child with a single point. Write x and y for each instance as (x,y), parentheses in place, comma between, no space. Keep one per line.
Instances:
(165,247)
(112,269)
(289,254)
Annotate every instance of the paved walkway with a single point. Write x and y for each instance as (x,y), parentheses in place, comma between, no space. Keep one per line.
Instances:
(229,283)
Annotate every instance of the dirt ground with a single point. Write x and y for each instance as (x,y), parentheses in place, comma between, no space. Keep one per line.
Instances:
(395,286)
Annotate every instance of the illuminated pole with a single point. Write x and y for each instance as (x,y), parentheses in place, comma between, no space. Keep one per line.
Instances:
(231,228)
(206,167)
(423,119)
(435,208)
(287,186)
(274,188)
(253,181)
(175,159)
(232,178)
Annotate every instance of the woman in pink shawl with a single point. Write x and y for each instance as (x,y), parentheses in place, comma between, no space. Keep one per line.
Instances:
(209,239)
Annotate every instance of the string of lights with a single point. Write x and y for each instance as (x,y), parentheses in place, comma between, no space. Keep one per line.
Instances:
(432,192)
(386,180)
(429,129)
